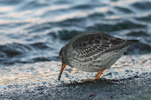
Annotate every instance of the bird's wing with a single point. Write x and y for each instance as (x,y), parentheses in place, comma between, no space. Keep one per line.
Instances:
(91,43)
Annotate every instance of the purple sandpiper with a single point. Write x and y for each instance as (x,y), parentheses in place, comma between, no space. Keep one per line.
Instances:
(93,52)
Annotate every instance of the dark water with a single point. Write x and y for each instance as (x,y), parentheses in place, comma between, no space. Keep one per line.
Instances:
(35,30)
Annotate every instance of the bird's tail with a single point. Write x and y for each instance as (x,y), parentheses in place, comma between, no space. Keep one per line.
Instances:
(129,42)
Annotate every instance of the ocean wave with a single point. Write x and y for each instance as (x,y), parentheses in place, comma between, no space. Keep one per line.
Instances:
(116,26)
(143,5)
(35,30)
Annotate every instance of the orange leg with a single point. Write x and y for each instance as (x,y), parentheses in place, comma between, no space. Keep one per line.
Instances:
(97,75)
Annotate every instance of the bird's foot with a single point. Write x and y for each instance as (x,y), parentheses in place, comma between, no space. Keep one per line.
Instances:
(97,76)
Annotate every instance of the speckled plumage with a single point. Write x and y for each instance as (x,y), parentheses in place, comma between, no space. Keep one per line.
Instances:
(93,51)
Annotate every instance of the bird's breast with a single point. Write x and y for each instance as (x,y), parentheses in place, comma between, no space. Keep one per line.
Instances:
(96,62)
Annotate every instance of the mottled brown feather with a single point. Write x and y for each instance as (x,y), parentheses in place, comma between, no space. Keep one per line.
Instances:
(89,43)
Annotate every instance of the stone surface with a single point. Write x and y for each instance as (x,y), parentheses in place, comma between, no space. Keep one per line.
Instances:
(129,79)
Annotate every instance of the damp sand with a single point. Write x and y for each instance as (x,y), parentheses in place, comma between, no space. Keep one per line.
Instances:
(128,79)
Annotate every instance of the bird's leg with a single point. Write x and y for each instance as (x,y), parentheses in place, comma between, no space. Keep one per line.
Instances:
(97,75)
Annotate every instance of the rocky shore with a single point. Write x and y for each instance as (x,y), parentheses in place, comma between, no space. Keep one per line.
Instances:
(128,79)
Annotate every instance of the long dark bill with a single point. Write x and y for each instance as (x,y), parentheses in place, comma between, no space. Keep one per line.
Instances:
(62,68)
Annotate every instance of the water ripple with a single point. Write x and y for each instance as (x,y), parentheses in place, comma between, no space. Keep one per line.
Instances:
(35,30)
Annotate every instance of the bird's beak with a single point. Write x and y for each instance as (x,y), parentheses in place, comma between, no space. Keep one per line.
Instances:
(62,68)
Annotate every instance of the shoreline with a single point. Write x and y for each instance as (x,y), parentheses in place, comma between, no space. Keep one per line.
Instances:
(129,78)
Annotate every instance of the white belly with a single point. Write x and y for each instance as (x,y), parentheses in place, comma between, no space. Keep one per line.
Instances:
(105,61)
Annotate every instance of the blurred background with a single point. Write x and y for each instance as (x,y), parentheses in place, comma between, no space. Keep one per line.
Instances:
(35,30)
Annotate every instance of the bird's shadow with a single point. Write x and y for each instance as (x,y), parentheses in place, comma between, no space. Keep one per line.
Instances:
(101,81)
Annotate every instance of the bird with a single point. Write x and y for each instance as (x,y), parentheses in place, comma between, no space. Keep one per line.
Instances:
(93,51)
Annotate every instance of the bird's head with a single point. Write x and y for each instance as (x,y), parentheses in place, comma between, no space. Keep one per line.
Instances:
(62,55)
